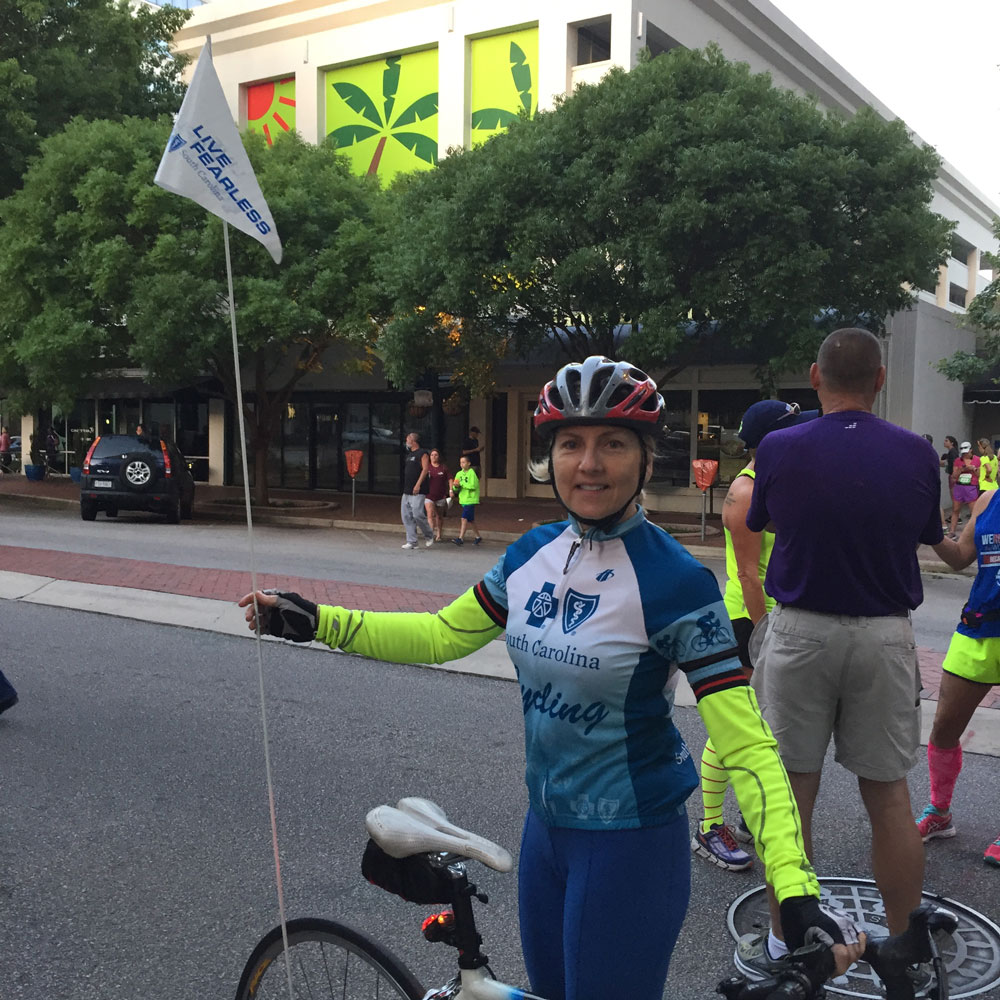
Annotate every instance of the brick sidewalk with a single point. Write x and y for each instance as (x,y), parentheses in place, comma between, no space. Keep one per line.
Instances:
(229,585)
(214,584)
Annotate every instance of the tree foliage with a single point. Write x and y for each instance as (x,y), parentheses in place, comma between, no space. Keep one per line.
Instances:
(689,197)
(60,59)
(101,269)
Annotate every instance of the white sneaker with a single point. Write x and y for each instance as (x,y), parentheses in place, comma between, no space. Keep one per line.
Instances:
(408,545)
(428,543)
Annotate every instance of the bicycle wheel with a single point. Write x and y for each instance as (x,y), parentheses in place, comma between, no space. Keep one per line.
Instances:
(329,960)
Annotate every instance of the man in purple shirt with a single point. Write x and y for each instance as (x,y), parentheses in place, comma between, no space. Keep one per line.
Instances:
(850,498)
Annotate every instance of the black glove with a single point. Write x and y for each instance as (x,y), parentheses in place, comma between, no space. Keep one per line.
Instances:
(293,617)
(800,913)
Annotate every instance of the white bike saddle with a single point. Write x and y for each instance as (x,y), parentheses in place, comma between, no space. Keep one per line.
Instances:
(418,826)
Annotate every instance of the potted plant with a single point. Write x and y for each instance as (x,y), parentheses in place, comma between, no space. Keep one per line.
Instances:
(36,469)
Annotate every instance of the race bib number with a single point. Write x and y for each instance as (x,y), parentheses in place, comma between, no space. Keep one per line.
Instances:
(965,478)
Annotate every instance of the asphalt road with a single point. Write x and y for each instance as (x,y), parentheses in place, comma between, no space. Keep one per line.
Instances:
(353,556)
(135,855)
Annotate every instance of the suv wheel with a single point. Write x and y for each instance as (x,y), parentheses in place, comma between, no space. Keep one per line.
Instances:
(138,473)
(88,510)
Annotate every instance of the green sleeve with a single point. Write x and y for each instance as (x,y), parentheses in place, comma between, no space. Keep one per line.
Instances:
(749,752)
(409,637)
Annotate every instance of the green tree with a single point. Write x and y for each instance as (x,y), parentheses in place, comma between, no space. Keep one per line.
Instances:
(101,270)
(689,197)
(60,59)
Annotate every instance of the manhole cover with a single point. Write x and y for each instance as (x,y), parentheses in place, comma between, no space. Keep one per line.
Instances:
(972,954)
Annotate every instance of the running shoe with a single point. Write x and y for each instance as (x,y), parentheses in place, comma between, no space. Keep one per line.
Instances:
(477,540)
(719,846)
(752,959)
(741,831)
(429,542)
(934,824)
(991,855)
(408,545)
(922,979)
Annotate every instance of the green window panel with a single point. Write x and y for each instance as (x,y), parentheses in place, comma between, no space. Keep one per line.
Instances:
(504,81)
(383,114)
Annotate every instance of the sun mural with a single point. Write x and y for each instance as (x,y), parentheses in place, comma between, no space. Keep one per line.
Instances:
(271,108)
(504,81)
(383,114)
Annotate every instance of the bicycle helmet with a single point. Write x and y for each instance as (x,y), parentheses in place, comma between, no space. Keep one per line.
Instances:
(599,391)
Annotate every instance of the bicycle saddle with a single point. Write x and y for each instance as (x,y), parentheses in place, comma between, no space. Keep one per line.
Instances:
(419,826)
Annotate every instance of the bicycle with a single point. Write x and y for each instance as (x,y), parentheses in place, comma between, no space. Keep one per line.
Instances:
(416,853)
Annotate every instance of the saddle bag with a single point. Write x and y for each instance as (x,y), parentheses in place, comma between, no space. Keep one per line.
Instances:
(412,878)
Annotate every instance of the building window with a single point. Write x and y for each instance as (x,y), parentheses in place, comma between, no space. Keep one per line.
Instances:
(956,295)
(672,464)
(658,41)
(720,412)
(496,441)
(593,41)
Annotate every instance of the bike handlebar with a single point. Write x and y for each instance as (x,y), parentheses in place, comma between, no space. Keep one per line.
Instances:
(809,967)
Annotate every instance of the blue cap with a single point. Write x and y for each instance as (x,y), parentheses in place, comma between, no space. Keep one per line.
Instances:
(771,415)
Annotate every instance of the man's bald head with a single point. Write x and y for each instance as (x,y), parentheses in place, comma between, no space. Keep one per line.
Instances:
(849,361)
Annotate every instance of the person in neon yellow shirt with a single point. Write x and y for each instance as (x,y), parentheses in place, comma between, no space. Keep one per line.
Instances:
(747,555)
(988,463)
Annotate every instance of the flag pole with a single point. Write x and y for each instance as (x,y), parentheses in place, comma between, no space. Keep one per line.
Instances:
(206,162)
(253,589)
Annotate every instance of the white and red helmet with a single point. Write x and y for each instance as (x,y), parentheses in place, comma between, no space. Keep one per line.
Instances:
(599,391)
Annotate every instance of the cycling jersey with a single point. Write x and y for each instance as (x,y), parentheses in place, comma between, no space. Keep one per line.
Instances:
(597,627)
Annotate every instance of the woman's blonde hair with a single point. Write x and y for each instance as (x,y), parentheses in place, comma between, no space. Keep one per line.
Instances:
(985,444)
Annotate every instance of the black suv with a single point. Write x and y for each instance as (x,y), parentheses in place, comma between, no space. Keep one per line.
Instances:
(122,472)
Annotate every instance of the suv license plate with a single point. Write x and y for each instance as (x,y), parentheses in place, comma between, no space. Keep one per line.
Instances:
(103,484)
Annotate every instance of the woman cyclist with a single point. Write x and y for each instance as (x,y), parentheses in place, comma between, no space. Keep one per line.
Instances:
(600,612)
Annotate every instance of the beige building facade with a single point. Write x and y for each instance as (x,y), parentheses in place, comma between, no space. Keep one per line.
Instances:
(365,70)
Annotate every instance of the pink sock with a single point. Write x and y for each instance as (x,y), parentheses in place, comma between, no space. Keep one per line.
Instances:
(944,767)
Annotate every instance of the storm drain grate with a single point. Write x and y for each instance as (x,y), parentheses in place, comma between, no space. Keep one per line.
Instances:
(972,954)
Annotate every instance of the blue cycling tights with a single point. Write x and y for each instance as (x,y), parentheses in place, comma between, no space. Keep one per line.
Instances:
(600,910)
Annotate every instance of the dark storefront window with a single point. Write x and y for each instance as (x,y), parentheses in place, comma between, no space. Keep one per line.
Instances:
(720,412)
(496,437)
(672,465)
(295,450)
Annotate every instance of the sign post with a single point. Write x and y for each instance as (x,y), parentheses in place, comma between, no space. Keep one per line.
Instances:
(705,470)
(353,459)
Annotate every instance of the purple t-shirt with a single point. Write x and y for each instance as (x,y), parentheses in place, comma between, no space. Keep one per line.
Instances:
(851,496)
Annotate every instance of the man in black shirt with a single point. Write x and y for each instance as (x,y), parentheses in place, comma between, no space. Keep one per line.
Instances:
(947,463)
(416,483)
(471,449)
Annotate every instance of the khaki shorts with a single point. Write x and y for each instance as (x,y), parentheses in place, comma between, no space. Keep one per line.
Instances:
(973,659)
(853,678)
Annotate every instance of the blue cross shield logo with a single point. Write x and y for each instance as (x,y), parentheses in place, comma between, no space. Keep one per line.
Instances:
(176,141)
(577,608)
(542,605)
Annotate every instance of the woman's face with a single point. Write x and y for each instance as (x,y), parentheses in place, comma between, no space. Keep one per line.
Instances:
(435,456)
(596,468)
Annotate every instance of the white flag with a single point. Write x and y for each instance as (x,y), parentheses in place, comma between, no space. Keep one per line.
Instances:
(206,162)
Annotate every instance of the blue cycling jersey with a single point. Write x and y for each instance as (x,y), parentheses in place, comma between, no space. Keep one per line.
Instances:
(596,627)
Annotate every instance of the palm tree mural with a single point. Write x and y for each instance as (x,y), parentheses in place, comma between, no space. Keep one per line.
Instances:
(380,121)
(520,71)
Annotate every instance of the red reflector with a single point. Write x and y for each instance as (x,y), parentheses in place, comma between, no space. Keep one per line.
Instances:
(90,451)
(166,460)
